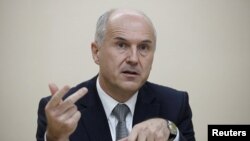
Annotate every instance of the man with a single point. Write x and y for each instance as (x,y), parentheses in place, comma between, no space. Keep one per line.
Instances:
(124,47)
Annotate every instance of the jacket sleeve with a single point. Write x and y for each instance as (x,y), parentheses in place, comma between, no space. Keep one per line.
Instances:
(41,120)
(185,124)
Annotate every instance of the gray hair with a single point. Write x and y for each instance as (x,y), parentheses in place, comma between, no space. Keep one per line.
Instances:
(101,26)
(102,22)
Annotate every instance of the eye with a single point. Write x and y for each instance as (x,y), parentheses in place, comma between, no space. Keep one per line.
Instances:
(121,45)
(144,49)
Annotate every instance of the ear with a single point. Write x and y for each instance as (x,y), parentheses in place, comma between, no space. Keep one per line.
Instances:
(95,52)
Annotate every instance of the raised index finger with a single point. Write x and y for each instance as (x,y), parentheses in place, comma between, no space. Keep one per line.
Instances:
(57,97)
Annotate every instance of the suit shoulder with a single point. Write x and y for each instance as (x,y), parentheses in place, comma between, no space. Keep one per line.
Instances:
(166,95)
(171,100)
(164,90)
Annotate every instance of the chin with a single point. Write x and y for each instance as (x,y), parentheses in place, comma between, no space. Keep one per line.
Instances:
(131,86)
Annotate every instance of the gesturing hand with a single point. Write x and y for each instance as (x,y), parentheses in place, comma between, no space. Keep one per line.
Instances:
(62,115)
(155,129)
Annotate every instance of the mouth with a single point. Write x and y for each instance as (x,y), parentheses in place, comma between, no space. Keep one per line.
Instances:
(130,72)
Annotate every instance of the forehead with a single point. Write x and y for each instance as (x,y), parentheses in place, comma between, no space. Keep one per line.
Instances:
(131,26)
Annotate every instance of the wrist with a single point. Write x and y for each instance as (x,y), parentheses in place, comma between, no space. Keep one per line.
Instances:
(50,137)
(172,129)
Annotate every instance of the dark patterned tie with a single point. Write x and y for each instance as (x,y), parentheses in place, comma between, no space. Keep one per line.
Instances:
(120,112)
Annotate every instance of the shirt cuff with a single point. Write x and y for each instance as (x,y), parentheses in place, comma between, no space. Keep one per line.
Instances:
(45,134)
(177,136)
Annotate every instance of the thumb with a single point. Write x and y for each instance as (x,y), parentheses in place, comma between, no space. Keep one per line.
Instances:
(53,88)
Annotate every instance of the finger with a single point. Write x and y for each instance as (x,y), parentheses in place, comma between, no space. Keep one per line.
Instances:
(68,126)
(74,119)
(124,139)
(142,136)
(57,97)
(53,88)
(150,136)
(76,96)
(68,113)
(146,135)
(134,134)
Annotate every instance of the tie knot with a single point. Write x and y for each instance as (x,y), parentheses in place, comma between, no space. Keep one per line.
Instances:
(120,111)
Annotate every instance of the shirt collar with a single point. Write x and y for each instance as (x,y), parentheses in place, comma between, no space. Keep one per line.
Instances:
(109,103)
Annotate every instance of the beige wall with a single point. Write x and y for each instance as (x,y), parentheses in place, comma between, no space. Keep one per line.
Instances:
(203,48)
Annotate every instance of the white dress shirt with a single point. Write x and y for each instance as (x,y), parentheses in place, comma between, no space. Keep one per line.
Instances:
(109,104)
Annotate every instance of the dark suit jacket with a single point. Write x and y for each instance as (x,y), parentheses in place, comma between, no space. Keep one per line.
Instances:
(153,101)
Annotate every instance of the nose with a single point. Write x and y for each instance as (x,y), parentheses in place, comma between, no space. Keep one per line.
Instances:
(132,57)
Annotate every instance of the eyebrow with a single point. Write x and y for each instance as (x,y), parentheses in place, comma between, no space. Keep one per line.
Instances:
(122,39)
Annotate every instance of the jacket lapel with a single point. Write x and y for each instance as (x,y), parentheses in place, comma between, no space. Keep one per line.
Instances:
(145,107)
(93,116)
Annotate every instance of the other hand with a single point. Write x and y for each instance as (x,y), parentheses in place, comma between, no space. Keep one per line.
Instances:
(155,129)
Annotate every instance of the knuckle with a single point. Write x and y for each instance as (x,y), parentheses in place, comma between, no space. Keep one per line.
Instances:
(77,116)
(160,136)
(74,107)
(79,113)
(59,120)
(154,132)
(69,101)
(48,110)
(137,127)
(68,125)
(63,123)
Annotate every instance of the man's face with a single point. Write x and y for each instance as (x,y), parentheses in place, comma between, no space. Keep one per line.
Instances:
(126,54)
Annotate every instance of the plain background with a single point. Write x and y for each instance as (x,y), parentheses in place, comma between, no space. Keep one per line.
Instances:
(203,48)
